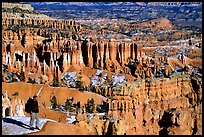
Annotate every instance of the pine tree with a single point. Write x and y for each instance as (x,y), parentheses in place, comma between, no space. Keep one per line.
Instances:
(90,105)
(55,83)
(54,102)
(22,76)
(68,105)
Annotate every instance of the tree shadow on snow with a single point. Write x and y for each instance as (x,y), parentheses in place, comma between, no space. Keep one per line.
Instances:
(16,122)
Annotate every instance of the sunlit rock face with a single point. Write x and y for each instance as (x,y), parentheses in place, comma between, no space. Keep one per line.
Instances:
(12,107)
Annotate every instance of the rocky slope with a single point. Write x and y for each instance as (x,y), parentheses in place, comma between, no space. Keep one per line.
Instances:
(157,23)
(17,5)
(20,11)
(47,92)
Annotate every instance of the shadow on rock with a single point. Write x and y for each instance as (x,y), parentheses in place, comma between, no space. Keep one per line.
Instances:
(16,122)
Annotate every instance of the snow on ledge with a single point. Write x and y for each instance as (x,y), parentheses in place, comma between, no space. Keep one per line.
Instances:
(20,125)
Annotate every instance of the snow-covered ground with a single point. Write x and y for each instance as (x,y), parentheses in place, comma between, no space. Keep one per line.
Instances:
(20,125)
(178,49)
(70,77)
(95,78)
(115,79)
(71,119)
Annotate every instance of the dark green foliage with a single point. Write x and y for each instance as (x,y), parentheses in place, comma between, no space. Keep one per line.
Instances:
(68,104)
(31,81)
(152,61)
(90,107)
(5,68)
(98,109)
(22,77)
(102,107)
(74,37)
(55,83)
(54,102)
(100,75)
(79,82)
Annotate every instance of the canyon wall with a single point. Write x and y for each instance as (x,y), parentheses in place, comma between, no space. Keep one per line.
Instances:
(12,107)
(46,23)
(17,5)
(158,106)
(51,57)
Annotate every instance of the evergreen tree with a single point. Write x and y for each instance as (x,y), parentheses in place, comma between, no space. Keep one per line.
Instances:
(68,105)
(22,76)
(90,107)
(55,82)
(54,102)
(102,107)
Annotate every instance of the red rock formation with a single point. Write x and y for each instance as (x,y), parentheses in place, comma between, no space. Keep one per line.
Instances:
(157,23)
(145,106)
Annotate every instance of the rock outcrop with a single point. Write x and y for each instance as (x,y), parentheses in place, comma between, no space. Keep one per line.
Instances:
(156,107)
(157,23)
(12,107)
(37,53)
(17,5)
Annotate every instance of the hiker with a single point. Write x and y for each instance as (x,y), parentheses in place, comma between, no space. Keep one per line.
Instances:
(34,113)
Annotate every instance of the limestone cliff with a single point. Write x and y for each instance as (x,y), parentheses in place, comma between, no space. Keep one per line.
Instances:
(17,5)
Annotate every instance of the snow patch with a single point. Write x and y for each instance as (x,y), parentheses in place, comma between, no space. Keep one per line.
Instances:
(69,77)
(71,119)
(95,78)
(177,69)
(90,117)
(20,125)
(117,79)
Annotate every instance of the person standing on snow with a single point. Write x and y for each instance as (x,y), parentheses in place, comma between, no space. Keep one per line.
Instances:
(34,113)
